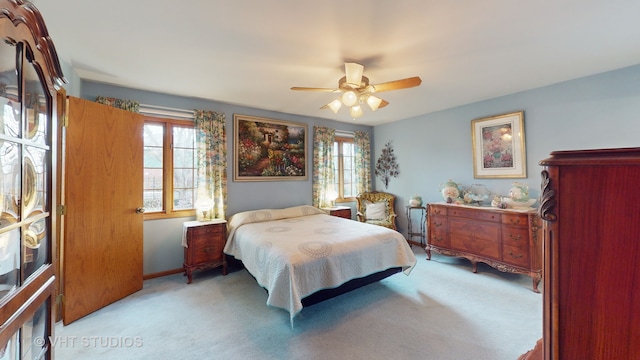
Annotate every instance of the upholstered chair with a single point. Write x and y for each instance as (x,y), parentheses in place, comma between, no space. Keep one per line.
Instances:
(377,208)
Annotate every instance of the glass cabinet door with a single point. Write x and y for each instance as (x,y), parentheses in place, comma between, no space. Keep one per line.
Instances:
(28,70)
(10,171)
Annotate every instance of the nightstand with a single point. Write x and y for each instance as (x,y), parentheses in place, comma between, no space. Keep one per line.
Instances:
(203,243)
(339,211)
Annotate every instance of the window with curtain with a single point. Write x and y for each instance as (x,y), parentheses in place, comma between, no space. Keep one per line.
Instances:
(170,173)
(344,169)
(341,164)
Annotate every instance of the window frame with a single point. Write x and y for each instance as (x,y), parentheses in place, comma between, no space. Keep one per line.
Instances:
(341,140)
(167,170)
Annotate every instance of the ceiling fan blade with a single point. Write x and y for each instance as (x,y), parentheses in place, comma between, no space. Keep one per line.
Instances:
(354,73)
(312,89)
(398,84)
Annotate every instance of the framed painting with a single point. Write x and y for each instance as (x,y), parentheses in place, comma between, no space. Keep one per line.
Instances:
(499,146)
(268,149)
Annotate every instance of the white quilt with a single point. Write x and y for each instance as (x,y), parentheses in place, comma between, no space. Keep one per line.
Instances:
(297,251)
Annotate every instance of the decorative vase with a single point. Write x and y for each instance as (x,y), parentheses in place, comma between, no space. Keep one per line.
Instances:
(449,190)
(415,201)
(519,192)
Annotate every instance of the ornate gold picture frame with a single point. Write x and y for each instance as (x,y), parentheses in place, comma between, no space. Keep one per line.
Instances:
(499,146)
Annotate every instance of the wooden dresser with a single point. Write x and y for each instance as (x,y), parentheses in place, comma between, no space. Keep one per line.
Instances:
(203,246)
(508,240)
(590,207)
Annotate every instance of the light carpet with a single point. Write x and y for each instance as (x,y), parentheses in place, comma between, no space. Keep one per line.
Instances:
(441,311)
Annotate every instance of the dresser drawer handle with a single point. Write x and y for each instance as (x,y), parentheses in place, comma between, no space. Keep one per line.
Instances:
(515,222)
(437,224)
(515,238)
(515,256)
(207,250)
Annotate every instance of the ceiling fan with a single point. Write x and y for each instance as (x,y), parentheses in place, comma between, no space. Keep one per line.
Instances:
(356,90)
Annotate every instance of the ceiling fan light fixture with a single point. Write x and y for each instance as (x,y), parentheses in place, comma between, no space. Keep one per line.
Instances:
(356,111)
(349,98)
(374,102)
(353,72)
(335,105)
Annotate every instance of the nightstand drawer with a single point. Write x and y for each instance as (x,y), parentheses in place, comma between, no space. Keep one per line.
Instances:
(206,251)
(207,230)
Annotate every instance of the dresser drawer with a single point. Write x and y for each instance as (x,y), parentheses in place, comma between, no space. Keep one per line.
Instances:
(514,236)
(515,219)
(479,238)
(438,232)
(473,214)
(437,210)
(515,256)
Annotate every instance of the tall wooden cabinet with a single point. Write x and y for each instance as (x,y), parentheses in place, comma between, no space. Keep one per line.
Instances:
(590,207)
(30,76)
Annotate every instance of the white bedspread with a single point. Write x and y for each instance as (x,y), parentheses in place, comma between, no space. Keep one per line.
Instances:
(297,251)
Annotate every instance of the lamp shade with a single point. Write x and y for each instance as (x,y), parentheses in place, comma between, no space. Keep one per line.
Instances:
(335,105)
(374,102)
(356,111)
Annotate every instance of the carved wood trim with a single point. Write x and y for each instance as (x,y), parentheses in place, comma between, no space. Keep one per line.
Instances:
(547,199)
(29,26)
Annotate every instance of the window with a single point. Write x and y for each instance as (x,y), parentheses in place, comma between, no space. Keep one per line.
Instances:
(343,161)
(170,176)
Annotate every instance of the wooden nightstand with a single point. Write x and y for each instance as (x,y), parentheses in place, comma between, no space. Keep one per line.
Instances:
(339,211)
(203,246)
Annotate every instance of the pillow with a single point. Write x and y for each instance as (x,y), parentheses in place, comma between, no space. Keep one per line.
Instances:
(375,211)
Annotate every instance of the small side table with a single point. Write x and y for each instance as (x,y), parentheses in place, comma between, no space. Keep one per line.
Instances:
(411,233)
(339,211)
(203,243)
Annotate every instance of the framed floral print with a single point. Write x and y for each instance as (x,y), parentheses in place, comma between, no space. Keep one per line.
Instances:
(499,146)
(268,149)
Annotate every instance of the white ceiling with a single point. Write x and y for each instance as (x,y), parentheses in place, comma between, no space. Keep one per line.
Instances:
(251,52)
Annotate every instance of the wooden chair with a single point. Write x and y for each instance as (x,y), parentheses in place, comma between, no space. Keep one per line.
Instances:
(377,208)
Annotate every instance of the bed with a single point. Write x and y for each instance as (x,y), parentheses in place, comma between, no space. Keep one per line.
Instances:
(301,255)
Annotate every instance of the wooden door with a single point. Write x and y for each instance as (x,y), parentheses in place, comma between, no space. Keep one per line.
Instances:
(102,247)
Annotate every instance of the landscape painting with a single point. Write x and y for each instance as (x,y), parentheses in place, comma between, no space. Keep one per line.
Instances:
(268,149)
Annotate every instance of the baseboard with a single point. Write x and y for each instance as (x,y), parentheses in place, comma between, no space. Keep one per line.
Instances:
(162,273)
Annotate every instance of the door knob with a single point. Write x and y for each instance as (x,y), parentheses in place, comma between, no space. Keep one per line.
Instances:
(140,210)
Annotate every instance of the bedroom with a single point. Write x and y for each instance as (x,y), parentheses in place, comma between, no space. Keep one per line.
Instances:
(595,111)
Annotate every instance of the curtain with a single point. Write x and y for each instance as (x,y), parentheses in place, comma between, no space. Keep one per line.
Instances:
(362,161)
(130,105)
(211,143)
(323,169)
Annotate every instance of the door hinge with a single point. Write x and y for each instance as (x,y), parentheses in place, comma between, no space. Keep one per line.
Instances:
(65,121)
(61,210)
(59,299)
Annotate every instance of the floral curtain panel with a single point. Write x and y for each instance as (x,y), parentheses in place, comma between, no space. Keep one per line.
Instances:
(362,161)
(130,105)
(323,169)
(211,142)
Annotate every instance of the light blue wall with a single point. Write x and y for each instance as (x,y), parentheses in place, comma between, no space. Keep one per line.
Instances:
(601,111)
(162,238)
